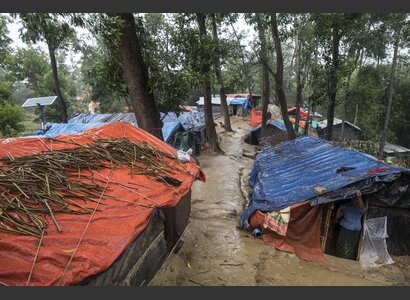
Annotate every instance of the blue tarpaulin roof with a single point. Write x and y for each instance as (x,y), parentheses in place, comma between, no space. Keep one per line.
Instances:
(241,101)
(288,173)
(275,123)
(55,129)
(189,120)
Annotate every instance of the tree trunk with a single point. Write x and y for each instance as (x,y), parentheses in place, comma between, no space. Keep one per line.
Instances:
(298,82)
(265,74)
(333,82)
(390,98)
(355,114)
(211,135)
(345,105)
(347,93)
(279,78)
(217,65)
(136,77)
(307,122)
(63,104)
(245,68)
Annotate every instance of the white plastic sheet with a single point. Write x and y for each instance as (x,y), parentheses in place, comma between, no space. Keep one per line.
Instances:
(184,156)
(374,248)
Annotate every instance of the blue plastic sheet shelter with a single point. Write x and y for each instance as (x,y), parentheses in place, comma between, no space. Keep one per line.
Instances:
(54,129)
(194,121)
(244,102)
(288,173)
(273,128)
(275,123)
(103,118)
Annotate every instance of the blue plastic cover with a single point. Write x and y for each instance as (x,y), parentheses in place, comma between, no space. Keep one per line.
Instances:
(275,123)
(241,101)
(169,129)
(54,129)
(194,121)
(189,120)
(103,118)
(288,173)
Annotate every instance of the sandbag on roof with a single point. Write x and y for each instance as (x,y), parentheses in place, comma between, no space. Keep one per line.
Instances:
(114,225)
(288,173)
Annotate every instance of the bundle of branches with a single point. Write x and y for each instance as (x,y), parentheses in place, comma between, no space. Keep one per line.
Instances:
(33,187)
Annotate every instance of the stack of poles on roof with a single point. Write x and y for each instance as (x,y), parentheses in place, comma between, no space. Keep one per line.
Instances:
(37,186)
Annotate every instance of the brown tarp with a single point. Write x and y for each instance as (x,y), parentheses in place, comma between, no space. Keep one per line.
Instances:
(302,236)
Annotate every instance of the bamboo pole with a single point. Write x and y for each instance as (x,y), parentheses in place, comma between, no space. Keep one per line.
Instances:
(326,229)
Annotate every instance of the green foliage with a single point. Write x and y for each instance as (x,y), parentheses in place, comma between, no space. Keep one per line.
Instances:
(52,29)
(11,117)
(28,65)
(5,40)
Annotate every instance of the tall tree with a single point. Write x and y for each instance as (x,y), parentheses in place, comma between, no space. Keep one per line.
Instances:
(333,32)
(57,34)
(5,40)
(211,135)
(218,73)
(136,76)
(398,26)
(265,71)
(279,77)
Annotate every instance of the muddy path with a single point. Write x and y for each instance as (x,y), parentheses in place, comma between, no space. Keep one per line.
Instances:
(215,252)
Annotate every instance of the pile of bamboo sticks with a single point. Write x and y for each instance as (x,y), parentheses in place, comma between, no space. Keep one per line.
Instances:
(36,186)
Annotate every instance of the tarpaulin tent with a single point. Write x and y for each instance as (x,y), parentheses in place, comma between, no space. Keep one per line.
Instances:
(244,102)
(287,174)
(54,129)
(272,127)
(292,111)
(189,120)
(103,118)
(113,227)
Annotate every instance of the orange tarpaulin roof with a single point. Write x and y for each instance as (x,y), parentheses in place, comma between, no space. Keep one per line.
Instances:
(113,227)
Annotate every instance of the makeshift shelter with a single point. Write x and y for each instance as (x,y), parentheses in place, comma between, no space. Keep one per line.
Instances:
(352,131)
(307,173)
(292,112)
(133,227)
(273,128)
(238,104)
(193,123)
(391,151)
(54,129)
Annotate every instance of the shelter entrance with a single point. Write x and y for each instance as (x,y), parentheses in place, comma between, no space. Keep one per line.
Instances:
(334,236)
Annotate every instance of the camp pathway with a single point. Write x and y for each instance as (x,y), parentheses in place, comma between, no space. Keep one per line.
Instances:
(215,252)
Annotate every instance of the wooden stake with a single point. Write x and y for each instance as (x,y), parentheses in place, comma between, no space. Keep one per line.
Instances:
(326,230)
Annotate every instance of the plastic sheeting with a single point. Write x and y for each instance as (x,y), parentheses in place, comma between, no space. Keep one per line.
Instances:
(244,102)
(103,118)
(194,121)
(374,248)
(292,111)
(303,233)
(54,129)
(288,173)
(273,127)
(113,227)
(256,117)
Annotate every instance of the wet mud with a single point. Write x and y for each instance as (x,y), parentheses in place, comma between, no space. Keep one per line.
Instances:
(215,252)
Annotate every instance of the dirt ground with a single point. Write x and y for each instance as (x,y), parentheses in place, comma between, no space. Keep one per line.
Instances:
(215,252)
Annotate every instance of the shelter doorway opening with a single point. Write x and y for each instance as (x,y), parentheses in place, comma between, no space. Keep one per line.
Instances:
(342,227)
